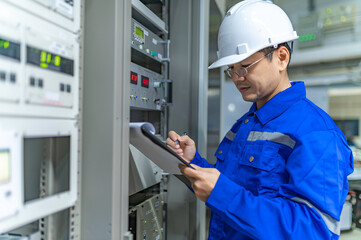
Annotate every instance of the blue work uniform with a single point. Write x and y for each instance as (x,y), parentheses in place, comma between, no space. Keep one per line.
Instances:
(283,172)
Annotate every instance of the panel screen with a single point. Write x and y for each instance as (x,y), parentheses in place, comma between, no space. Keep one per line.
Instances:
(4,166)
(9,49)
(48,60)
(139,32)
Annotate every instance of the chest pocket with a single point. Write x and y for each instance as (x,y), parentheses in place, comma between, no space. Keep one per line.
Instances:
(262,166)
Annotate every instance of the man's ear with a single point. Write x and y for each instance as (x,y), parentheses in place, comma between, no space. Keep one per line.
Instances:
(283,57)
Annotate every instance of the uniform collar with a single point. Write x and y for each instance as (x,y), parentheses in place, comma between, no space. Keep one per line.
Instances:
(279,103)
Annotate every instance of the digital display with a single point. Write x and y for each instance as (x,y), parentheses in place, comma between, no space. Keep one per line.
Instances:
(139,32)
(4,166)
(9,49)
(145,82)
(48,60)
(133,78)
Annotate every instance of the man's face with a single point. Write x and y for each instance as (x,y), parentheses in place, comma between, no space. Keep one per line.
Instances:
(262,81)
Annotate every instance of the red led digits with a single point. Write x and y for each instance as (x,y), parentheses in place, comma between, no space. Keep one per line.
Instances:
(133,78)
(145,82)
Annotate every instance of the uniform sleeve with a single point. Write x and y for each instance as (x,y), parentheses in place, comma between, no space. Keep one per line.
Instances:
(307,207)
(198,160)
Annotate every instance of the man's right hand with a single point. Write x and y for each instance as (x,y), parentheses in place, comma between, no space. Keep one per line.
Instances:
(185,147)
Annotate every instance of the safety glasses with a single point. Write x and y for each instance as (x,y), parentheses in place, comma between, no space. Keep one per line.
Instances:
(243,71)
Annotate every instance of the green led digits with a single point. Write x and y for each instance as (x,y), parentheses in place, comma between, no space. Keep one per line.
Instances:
(43,63)
(307,37)
(57,61)
(47,58)
(4,44)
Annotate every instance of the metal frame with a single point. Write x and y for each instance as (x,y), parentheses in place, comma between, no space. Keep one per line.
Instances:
(149,15)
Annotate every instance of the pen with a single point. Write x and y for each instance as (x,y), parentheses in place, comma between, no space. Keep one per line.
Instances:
(177,142)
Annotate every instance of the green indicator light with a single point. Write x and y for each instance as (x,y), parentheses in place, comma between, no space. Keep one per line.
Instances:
(6,44)
(328,21)
(48,60)
(343,19)
(329,10)
(57,60)
(44,65)
(43,56)
(307,37)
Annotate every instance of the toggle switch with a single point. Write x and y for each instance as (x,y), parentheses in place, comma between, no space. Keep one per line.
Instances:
(157,84)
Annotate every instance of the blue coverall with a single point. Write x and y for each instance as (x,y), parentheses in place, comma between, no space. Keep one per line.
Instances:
(283,172)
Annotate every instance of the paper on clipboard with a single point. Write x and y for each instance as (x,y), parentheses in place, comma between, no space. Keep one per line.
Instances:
(156,152)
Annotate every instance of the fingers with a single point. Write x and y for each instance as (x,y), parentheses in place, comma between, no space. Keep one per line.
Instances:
(173,136)
(189,172)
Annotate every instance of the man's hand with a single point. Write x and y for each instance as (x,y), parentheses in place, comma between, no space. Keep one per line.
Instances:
(184,146)
(203,180)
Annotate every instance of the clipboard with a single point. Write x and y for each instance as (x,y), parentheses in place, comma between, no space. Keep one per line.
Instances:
(157,141)
(142,137)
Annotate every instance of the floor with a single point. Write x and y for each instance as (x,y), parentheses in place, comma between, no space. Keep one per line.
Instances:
(352,235)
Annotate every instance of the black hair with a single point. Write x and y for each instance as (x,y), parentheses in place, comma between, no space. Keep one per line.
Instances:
(267,50)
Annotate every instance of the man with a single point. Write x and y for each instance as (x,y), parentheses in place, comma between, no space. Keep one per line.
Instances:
(282,168)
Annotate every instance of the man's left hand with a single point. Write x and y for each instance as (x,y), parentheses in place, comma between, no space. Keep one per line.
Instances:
(203,180)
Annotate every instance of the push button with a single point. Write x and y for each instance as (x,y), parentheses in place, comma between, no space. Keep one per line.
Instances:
(12,77)
(40,83)
(32,81)
(2,76)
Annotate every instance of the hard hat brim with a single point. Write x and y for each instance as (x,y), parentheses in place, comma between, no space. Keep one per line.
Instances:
(229,60)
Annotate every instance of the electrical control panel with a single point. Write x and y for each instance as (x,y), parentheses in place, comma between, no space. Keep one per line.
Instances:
(38,169)
(38,66)
(64,13)
(39,108)
(147,76)
(315,27)
(145,219)
(146,88)
(147,42)
(10,178)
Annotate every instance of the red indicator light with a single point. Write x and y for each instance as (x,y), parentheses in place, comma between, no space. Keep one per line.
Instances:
(145,82)
(133,78)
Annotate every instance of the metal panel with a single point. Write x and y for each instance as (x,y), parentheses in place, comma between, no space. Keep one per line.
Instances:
(65,14)
(106,120)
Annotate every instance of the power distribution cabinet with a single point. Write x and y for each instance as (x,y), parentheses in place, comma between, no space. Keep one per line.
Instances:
(39,111)
(149,102)
(38,66)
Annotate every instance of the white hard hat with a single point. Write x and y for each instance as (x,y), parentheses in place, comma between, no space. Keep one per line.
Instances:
(250,26)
